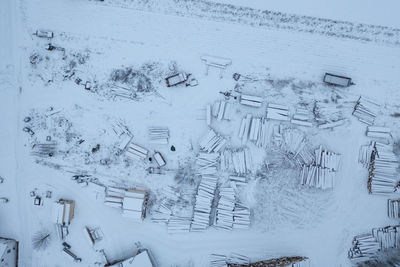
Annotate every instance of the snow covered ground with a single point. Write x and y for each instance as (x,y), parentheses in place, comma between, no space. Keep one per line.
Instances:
(100,37)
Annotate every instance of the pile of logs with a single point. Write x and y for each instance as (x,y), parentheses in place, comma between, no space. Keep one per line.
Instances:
(367,246)
(294,144)
(177,225)
(158,135)
(383,175)
(237,161)
(379,132)
(161,215)
(327,160)
(212,142)
(204,199)
(277,112)
(207,163)
(365,153)
(301,118)
(44,150)
(121,91)
(250,128)
(294,261)
(327,115)
(241,217)
(222,110)
(394,208)
(366,110)
(225,208)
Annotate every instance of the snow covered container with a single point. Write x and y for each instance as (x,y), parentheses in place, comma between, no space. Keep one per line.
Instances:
(176,79)
(337,80)
(159,159)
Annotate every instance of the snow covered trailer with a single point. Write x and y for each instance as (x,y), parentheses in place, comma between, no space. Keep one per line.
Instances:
(337,80)
(176,79)
(44,33)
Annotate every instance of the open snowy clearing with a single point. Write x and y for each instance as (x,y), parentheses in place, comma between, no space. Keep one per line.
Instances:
(285,67)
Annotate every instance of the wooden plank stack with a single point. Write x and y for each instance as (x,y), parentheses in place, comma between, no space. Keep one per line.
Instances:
(379,132)
(251,128)
(212,142)
(178,225)
(204,199)
(44,150)
(277,112)
(237,161)
(207,163)
(265,133)
(225,208)
(301,118)
(327,160)
(158,135)
(327,115)
(250,100)
(222,110)
(366,110)
(394,208)
(241,217)
(293,261)
(294,144)
(365,153)
(136,152)
(161,215)
(218,260)
(388,237)
(124,92)
(383,175)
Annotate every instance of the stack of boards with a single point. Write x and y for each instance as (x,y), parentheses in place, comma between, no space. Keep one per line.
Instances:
(366,110)
(212,142)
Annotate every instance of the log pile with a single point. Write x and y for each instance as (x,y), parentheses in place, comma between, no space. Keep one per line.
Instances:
(241,217)
(295,261)
(294,144)
(367,246)
(265,133)
(207,163)
(244,129)
(161,215)
(383,175)
(225,208)
(178,225)
(394,208)
(221,110)
(379,132)
(204,199)
(44,150)
(237,161)
(158,135)
(301,118)
(277,112)
(255,129)
(366,110)
(136,152)
(327,115)
(212,142)
(365,153)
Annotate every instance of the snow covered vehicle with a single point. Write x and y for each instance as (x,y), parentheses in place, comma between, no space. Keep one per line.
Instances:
(44,33)
(176,79)
(337,80)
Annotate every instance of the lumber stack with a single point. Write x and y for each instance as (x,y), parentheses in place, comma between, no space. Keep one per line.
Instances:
(204,199)
(250,128)
(119,91)
(366,110)
(301,118)
(221,110)
(327,160)
(383,175)
(44,150)
(225,208)
(158,135)
(212,142)
(207,163)
(178,225)
(379,132)
(394,208)
(327,115)
(218,260)
(238,180)
(265,133)
(316,176)
(277,112)
(251,100)
(365,153)
(388,237)
(237,161)
(136,152)
(293,261)
(294,144)
(161,215)
(241,217)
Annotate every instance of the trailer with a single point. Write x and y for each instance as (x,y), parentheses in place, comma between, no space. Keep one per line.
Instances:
(337,80)
(177,78)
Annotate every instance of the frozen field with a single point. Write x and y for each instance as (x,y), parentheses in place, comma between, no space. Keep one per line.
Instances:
(281,59)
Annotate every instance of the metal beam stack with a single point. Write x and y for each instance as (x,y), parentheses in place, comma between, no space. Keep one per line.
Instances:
(394,208)
(212,142)
(204,199)
(158,135)
(238,161)
(366,110)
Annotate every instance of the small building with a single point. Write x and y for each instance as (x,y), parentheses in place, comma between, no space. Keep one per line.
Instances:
(8,252)
(142,258)
(63,211)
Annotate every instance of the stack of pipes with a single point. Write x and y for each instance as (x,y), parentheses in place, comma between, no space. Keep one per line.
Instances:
(238,161)
(277,112)
(207,163)
(158,135)
(366,110)
(301,118)
(177,225)
(212,142)
(394,208)
(225,207)
(204,199)
(383,174)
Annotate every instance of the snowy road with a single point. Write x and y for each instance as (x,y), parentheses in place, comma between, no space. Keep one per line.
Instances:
(184,39)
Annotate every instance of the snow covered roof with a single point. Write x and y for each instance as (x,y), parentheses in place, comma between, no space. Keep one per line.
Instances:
(140,260)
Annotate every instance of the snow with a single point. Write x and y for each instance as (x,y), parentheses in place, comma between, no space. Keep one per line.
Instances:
(289,65)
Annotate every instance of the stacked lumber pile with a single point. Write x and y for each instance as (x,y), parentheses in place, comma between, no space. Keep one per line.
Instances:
(177,225)
(295,261)
(225,208)
(237,161)
(244,128)
(367,246)
(212,142)
(366,110)
(301,118)
(238,180)
(241,217)
(120,91)
(207,163)
(265,133)
(277,112)
(123,134)
(294,144)
(218,260)
(383,175)
(158,135)
(250,100)
(161,215)
(204,199)
(327,115)
(379,132)
(365,153)
(114,197)
(221,110)
(44,150)
(394,208)
(237,259)
(136,152)
(321,174)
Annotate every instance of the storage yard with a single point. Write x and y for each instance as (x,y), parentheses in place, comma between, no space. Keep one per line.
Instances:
(150,135)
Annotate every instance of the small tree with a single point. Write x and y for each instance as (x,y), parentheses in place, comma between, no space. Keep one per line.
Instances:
(41,239)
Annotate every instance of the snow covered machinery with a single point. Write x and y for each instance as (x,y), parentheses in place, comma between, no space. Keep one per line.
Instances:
(337,80)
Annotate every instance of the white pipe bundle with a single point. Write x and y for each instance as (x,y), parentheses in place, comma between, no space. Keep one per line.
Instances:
(379,132)
(383,175)
(326,159)
(225,207)
(316,176)
(250,100)
(238,161)
(364,247)
(241,217)
(178,225)
(212,142)
(277,112)
(294,144)
(218,260)
(158,135)
(222,110)
(207,163)
(204,198)
(301,118)
(394,208)
(366,110)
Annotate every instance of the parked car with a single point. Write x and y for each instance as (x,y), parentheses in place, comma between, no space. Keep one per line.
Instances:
(66,245)
(44,33)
